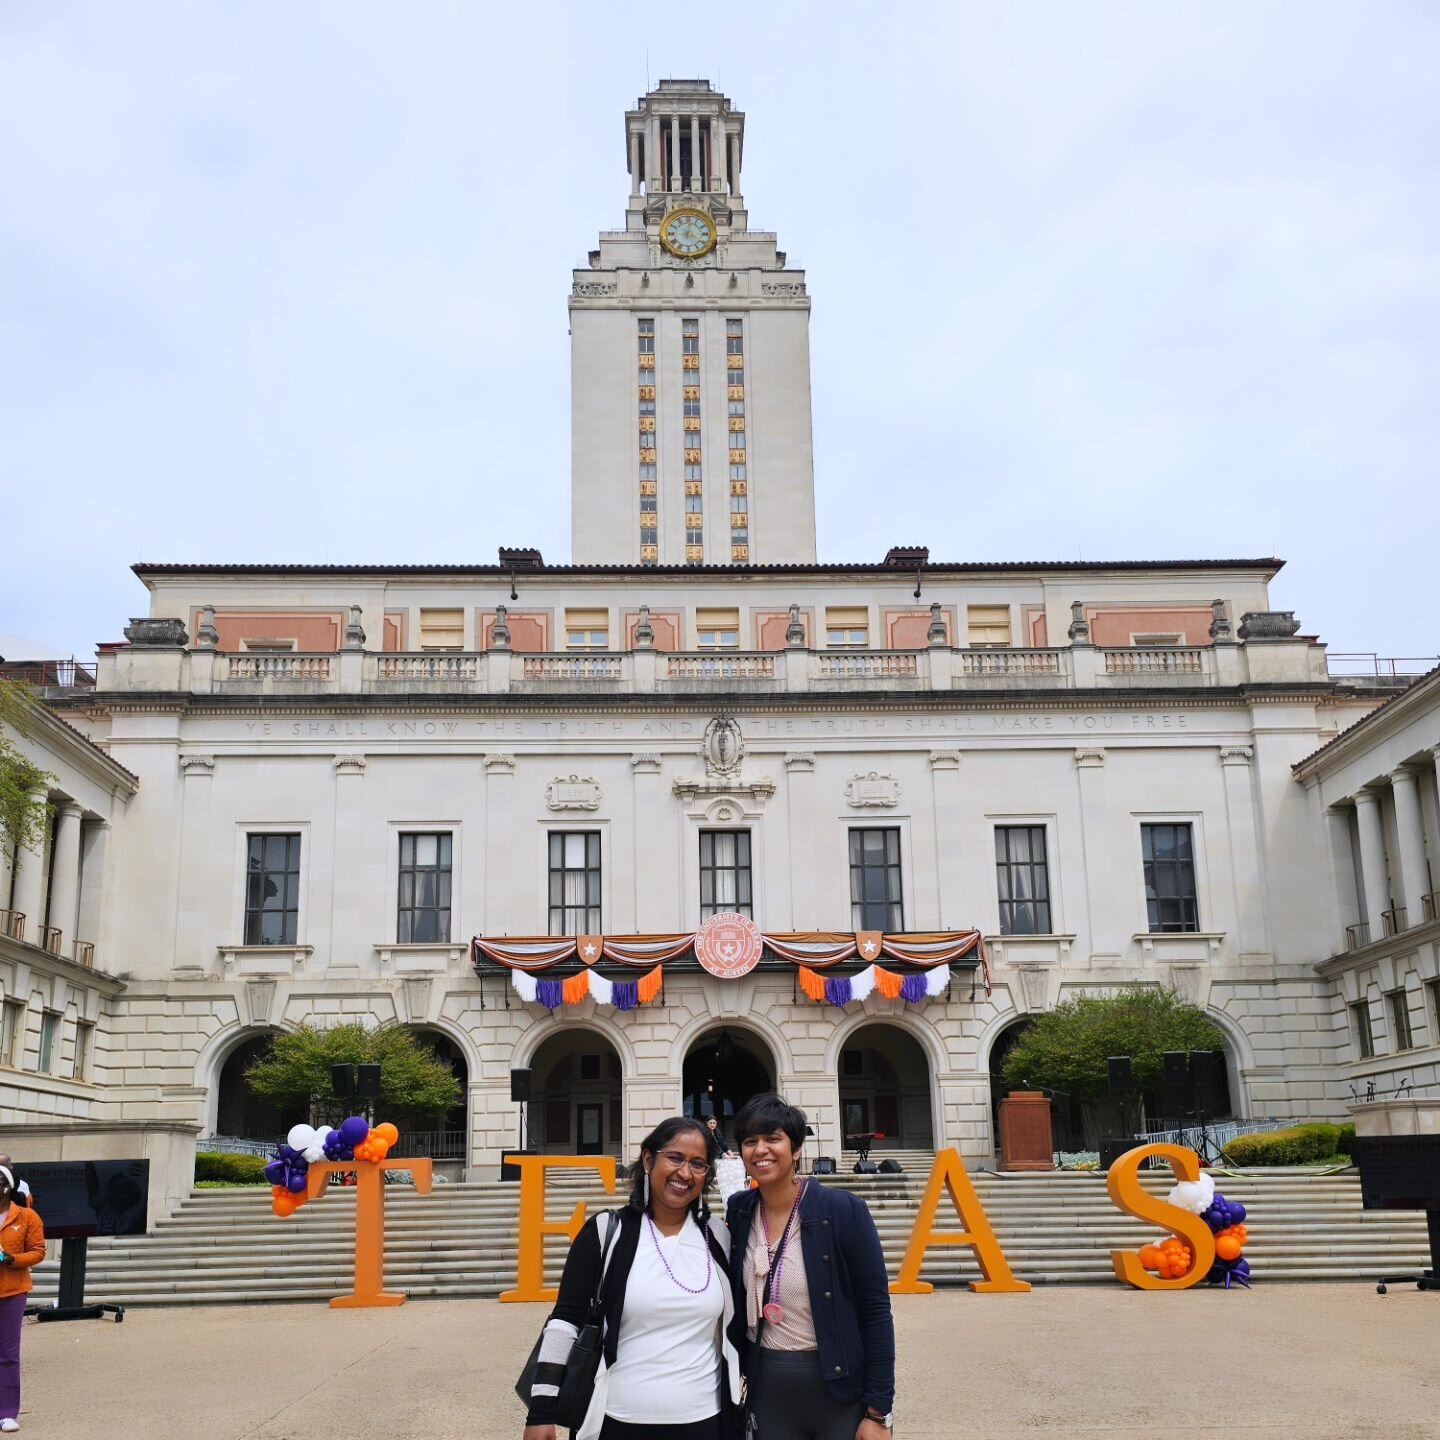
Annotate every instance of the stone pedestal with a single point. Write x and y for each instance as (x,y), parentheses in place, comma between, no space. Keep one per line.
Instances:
(1027,1140)
(1420,1116)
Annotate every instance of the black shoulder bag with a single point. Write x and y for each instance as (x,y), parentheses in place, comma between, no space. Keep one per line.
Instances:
(577,1388)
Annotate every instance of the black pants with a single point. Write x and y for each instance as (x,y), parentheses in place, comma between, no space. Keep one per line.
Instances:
(700,1430)
(792,1403)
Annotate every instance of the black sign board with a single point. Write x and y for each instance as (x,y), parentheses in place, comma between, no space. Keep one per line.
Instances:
(77,1198)
(1399,1172)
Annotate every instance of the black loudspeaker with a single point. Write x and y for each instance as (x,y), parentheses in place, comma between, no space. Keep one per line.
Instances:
(1208,1068)
(520,1086)
(866,1167)
(1122,1082)
(367,1081)
(1111,1150)
(891,1167)
(824,1165)
(342,1080)
(1177,1069)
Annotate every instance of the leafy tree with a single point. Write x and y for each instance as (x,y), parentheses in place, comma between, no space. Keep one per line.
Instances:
(1067,1050)
(416,1087)
(22,821)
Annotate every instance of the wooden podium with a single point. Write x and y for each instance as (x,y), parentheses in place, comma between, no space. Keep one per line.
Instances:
(1027,1139)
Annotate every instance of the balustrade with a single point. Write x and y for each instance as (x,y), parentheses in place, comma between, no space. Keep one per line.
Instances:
(1161,660)
(391,667)
(285,665)
(1010,662)
(710,666)
(50,938)
(12,924)
(867,665)
(573,667)
(85,953)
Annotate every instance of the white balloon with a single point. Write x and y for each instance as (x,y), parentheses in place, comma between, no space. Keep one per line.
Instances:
(314,1153)
(1193,1195)
(301,1137)
(321,1131)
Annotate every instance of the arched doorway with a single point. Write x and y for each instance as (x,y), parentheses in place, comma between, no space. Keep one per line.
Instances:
(448,1140)
(885,1088)
(577,1091)
(723,1069)
(238,1113)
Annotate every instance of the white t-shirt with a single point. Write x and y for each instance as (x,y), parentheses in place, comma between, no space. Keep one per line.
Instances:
(667,1333)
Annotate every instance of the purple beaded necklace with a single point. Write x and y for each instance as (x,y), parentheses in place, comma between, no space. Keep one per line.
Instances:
(774,1312)
(674,1280)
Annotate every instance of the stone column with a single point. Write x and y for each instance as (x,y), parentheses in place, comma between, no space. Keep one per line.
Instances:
(29,894)
(715,180)
(1109,934)
(1372,861)
(674,152)
(635,176)
(194,882)
(654,908)
(1247,860)
(805,911)
(950,870)
(65,875)
(504,912)
(1410,829)
(1342,861)
(653,167)
(697,180)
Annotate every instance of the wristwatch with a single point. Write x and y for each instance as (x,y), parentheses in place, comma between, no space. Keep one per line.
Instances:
(887,1420)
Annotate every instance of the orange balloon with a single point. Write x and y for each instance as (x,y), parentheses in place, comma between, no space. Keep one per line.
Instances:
(284,1205)
(1150,1256)
(381,1147)
(276,1191)
(1227,1247)
(387,1132)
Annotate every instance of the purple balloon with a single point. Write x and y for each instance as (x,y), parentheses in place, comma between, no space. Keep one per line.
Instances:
(346,1152)
(354,1130)
(1237,1212)
(275,1173)
(296,1183)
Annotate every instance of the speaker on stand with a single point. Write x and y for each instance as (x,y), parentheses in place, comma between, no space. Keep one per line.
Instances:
(521,1085)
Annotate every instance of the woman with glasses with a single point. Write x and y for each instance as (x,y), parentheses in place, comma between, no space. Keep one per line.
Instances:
(667,1369)
(809,1278)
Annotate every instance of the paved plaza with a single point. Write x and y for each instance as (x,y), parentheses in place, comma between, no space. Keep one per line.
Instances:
(1322,1362)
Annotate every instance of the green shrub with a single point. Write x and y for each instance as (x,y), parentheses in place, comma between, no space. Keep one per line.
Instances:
(230,1169)
(1298,1145)
(1345,1140)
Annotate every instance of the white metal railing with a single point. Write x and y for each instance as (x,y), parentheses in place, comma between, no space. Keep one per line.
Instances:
(285,665)
(573,667)
(1161,660)
(398,666)
(1381,667)
(233,1145)
(710,666)
(1220,1132)
(1010,662)
(867,664)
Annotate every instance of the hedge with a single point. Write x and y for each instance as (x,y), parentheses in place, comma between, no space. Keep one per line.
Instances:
(1298,1145)
(232,1169)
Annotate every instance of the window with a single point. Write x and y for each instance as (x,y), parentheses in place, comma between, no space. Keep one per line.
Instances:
(1171,638)
(694,536)
(648,472)
(694,504)
(1024,880)
(734,345)
(1433,987)
(692,408)
(875,901)
(733,327)
(847,625)
(649,536)
(272,890)
(737,472)
(724,872)
(736,407)
(1400,1031)
(1169,858)
(84,1044)
(587,629)
(694,472)
(575,883)
(1364,1035)
(737,440)
(717,627)
(264,645)
(12,1033)
(49,1033)
(646,336)
(734,375)
(442,629)
(989,626)
(689,337)
(648,504)
(647,407)
(424,916)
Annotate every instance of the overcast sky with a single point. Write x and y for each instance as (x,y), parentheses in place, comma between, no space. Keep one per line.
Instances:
(1101,281)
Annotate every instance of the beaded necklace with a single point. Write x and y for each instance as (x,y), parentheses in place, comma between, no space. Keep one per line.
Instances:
(774,1311)
(674,1280)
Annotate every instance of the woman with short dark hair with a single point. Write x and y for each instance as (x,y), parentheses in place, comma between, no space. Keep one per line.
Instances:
(809,1277)
(668,1369)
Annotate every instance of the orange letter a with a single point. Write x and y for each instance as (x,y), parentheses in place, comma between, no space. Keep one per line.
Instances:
(949,1173)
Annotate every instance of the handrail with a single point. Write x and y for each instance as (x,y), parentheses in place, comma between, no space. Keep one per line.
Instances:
(85,953)
(50,938)
(12,924)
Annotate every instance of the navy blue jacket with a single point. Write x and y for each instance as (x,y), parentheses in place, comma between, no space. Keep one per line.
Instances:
(849,1290)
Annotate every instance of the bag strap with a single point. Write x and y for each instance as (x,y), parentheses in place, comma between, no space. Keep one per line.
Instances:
(607,1246)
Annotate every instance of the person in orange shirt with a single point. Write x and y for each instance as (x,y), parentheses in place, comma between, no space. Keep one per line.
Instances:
(22,1245)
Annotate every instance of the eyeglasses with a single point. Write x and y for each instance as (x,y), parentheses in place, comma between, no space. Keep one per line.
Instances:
(677,1161)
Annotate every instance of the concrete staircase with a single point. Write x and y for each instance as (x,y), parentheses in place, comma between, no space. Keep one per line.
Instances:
(225,1246)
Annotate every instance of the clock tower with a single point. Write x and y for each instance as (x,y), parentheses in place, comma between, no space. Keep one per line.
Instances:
(689,360)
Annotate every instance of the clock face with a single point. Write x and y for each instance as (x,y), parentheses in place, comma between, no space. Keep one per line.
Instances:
(688,234)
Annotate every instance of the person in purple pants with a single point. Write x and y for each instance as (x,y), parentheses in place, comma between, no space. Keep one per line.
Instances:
(22,1245)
